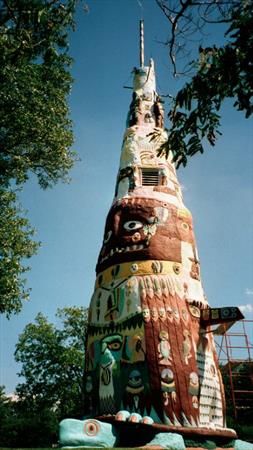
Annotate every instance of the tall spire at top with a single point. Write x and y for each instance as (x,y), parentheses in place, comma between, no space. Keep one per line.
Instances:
(141,43)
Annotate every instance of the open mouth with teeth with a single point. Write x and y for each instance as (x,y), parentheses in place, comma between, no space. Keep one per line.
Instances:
(129,248)
(121,240)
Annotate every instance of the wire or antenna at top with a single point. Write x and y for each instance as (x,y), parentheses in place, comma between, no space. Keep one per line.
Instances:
(141,43)
(141,7)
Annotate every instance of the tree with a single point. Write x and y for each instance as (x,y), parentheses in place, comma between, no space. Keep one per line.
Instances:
(21,427)
(219,73)
(35,128)
(52,361)
(15,244)
(35,132)
(5,419)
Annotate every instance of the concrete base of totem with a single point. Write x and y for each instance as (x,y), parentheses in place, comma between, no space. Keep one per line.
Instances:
(108,432)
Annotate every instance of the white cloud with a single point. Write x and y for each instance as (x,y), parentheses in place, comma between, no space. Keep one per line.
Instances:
(248,291)
(246,308)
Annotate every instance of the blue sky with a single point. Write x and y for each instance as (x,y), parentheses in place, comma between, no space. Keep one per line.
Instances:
(70,218)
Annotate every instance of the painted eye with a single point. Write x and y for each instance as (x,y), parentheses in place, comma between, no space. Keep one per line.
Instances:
(185,226)
(114,346)
(133,225)
(91,428)
(107,236)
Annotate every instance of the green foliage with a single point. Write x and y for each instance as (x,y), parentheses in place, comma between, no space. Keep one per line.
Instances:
(22,427)
(35,133)
(52,359)
(220,73)
(35,128)
(15,244)
(6,419)
(53,362)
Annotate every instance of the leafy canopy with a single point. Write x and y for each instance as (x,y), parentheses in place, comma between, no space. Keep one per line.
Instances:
(15,244)
(35,129)
(22,427)
(52,361)
(219,74)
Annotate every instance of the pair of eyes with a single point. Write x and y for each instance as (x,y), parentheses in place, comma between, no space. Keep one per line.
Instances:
(131,225)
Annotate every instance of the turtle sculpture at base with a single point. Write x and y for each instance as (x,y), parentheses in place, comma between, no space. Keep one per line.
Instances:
(151,369)
(132,430)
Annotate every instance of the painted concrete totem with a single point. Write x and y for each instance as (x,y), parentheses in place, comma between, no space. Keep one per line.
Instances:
(150,355)
(147,349)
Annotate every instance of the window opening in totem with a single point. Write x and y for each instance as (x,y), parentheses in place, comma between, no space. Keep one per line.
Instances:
(150,176)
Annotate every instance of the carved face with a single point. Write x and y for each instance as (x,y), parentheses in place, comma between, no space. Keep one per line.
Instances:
(154,314)
(146,315)
(162,313)
(194,379)
(139,229)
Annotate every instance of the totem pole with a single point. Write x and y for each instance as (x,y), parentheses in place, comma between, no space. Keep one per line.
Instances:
(150,354)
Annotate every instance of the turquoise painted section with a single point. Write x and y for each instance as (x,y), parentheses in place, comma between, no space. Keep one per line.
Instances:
(86,433)
(243,445)
(96,434)
(171,441)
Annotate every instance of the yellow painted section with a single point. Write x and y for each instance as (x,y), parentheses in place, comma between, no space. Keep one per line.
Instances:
(125,270)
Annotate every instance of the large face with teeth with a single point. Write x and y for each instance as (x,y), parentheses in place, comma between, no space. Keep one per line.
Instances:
(143,229)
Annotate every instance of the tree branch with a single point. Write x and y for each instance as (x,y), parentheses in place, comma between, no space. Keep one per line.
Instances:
(188,17)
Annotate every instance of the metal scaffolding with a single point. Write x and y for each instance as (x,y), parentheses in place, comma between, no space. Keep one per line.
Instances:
(235,353)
